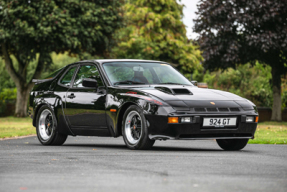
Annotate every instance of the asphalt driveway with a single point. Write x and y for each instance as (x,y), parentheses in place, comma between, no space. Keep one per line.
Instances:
(105,164)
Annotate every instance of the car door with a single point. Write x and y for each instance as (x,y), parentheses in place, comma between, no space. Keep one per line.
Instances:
(85,106)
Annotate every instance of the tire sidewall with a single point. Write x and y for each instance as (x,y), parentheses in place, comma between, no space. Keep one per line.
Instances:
(144,130)
(50,140)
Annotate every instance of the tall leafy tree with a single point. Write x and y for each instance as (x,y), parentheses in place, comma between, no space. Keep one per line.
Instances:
(154,30)
(31,30)
(241,31)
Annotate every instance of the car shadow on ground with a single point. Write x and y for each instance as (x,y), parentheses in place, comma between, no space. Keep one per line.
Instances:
(155,148)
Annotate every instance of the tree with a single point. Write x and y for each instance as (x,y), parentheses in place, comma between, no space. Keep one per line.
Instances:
(240,31)
(154,30)
(32,30)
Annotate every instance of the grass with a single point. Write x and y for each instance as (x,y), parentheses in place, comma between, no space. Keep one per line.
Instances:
(14,127)
(270,133)
(266,133)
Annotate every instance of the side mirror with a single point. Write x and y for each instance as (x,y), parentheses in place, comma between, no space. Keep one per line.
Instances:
(194,83)
(89,82)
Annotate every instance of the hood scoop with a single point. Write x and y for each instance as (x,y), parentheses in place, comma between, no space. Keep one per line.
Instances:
(174,91)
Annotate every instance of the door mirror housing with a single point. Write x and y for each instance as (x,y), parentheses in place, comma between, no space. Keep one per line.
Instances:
(194,83)
(89,82)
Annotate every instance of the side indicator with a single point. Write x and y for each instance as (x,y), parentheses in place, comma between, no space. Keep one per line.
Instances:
(256,119)
(131,92)
(172,119)
(113,110)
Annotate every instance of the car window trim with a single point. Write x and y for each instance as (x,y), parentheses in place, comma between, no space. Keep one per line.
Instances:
(80,65)
(72,80)
(103,74)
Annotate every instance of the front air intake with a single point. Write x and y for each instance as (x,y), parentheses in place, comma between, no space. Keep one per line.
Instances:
(199,109)
(211,109)
(223,109)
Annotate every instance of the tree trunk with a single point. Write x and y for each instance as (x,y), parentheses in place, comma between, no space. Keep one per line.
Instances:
(276,86)
(20,77)
(23,93)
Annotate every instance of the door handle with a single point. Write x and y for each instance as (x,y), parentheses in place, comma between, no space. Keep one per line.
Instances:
(72,96)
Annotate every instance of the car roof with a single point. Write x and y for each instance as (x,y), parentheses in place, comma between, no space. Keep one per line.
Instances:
(101,61)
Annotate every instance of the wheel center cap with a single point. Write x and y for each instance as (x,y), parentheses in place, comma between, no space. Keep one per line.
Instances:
(134,127)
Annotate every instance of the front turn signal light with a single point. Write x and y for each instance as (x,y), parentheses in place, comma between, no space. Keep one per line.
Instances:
(256,119)
(173,120)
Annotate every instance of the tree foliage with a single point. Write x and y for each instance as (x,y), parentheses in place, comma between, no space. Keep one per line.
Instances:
(240,31)
(31,30)
(249,82)
(154,30)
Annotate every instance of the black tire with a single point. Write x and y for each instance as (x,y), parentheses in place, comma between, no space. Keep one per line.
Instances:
(143,142)
(54,138)
(232,144)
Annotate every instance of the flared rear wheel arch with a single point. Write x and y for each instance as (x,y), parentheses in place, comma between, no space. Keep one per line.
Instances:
(36,113)
(56,138)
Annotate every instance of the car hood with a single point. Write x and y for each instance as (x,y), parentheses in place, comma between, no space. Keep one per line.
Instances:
(198,97)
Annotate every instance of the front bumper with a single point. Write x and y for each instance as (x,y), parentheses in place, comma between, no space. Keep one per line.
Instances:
(160,129)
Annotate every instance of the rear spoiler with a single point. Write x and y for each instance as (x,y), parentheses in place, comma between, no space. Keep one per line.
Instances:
(40,80)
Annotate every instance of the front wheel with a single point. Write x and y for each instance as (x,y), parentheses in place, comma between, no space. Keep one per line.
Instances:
(134,129)
(46,128)
(232,144)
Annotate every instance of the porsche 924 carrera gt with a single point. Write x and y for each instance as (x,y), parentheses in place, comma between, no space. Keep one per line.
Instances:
(141,100)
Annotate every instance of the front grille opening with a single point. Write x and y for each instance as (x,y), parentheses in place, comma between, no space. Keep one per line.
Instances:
(199,109)
(182,92)
(223,109)
(215,135)
(211,109)
(234,109)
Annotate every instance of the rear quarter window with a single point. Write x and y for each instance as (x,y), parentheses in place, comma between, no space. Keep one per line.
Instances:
(67,78)
(54,74)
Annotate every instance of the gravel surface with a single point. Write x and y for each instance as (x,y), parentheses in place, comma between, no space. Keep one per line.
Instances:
(105,164)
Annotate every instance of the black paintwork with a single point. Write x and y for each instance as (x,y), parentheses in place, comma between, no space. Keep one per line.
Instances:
(86,111)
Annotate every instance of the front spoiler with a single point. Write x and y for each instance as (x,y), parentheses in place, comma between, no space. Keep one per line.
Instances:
(164,137)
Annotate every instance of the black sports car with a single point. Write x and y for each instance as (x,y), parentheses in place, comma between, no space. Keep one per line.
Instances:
(142,101)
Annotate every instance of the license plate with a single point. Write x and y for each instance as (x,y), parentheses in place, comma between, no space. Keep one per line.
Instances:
(219,122)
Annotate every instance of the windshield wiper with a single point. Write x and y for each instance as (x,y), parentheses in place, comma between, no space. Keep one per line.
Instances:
(127,82)
(172,83)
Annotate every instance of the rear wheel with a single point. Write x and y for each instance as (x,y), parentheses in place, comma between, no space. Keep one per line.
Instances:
(46,128)
(232,144)
(134,129)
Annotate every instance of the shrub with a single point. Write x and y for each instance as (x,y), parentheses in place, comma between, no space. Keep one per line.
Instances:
(8,94)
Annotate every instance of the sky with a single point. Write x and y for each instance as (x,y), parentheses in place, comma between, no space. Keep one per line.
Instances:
(189,14)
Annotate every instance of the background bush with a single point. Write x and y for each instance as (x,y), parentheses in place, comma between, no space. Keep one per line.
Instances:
(253,83)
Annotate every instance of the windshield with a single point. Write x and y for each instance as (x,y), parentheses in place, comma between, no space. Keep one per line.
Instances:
(54,74)
(128,73)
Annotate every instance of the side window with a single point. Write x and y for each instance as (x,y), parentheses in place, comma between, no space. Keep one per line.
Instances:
(87,71)
(66,80)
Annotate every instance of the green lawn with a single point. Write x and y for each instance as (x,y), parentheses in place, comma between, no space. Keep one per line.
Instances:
(270,133)
(13,127)
(266,133)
